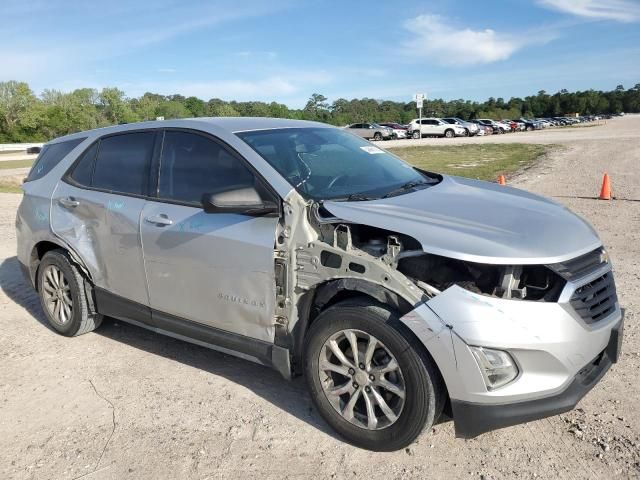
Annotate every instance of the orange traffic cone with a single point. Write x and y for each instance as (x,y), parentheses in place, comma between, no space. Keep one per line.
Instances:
(605,191)
(501,180)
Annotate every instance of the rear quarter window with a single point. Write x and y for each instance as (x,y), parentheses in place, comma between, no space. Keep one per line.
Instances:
(50,156)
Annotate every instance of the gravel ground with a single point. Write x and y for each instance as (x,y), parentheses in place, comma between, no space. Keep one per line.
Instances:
(126,403)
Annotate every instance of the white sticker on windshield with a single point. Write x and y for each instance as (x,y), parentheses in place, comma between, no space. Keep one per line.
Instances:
(372,150)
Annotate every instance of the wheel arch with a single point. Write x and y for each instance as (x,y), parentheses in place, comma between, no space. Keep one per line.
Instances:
(334,291)
(331,292)
(41,248)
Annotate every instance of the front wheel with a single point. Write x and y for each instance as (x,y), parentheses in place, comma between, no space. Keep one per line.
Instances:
(377,136)
(415,135)
(449,134)
(369,378)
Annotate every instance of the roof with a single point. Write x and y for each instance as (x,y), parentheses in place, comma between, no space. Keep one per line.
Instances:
(231,124)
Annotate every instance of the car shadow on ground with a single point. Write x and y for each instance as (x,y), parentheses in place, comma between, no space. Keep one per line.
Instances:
(290,396)
(16,286)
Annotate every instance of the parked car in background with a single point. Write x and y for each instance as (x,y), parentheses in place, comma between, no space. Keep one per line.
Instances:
(497,127)
(544,122)
(399,131)
(485,129)
(514,126)
(33,150)
(506,127)
(397,293)
(471,129)
(370,131)
(529,124)
(434,127)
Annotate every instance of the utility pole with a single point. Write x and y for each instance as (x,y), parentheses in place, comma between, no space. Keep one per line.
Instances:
(419,98)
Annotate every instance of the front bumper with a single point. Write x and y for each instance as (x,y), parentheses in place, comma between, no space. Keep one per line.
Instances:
(549,342)
(473,419)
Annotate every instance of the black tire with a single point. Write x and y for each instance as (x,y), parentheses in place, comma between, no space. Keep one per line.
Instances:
(449,133)
(415,135)
(377,136)
(82,320)
(466,132)
(425,391)
(528,128)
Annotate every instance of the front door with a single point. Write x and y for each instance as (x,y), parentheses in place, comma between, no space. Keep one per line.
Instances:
(215,269)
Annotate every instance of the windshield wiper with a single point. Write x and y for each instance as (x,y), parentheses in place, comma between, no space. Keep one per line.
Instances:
(359,197)
(407,186)
(354,197)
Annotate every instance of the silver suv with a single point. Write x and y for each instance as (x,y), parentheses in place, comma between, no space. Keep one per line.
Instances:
(370,131)
(401,295)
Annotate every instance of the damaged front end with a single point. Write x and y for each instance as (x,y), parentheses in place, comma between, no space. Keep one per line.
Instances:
(499,333)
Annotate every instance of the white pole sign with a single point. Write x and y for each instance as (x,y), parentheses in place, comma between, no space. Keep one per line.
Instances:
(419,98)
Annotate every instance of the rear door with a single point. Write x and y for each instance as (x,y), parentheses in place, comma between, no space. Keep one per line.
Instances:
(96,210)
(358,129)
(367,131)
(429,127)
(215,269)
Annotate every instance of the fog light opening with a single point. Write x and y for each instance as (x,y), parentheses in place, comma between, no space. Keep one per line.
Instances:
(498,367)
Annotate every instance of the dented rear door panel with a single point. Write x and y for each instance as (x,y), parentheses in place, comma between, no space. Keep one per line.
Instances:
(103,231)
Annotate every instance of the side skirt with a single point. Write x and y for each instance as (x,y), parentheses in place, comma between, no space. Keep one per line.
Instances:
(258,351)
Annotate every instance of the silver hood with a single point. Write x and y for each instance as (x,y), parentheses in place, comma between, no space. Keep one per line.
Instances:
(479,222)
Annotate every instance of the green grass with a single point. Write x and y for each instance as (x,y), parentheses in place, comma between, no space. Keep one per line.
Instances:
(484,162)
(7,164)
(9,187)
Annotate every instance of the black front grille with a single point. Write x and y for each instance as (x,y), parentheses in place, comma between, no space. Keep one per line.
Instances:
(596,299)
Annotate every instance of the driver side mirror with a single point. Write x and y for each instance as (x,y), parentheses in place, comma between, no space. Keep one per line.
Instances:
(243,200)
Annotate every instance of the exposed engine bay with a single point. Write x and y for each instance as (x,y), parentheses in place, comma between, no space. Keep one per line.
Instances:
(325,248)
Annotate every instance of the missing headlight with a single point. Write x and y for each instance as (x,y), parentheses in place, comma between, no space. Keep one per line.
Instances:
(528,282)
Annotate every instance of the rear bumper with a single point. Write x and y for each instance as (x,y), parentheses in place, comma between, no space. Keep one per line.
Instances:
(473,419)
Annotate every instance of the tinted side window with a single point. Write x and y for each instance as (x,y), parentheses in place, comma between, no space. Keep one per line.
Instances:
(83,170)
(50,156)
(123,163)
(193,165)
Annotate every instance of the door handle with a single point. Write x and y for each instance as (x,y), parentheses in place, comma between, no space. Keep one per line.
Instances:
(68,202)
(160,220)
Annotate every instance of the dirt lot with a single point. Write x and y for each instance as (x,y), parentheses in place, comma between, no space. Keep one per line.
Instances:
(126,403)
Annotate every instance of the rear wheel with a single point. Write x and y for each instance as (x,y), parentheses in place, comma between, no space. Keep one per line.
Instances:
(368,377)
(63,296)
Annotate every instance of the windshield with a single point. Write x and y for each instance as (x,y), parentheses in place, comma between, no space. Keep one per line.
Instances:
(329,163)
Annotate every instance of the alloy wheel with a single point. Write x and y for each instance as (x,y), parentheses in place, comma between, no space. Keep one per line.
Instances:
(362,379)
(57,295)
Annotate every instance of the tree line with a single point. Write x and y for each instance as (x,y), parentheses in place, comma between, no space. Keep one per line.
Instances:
(27,117)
